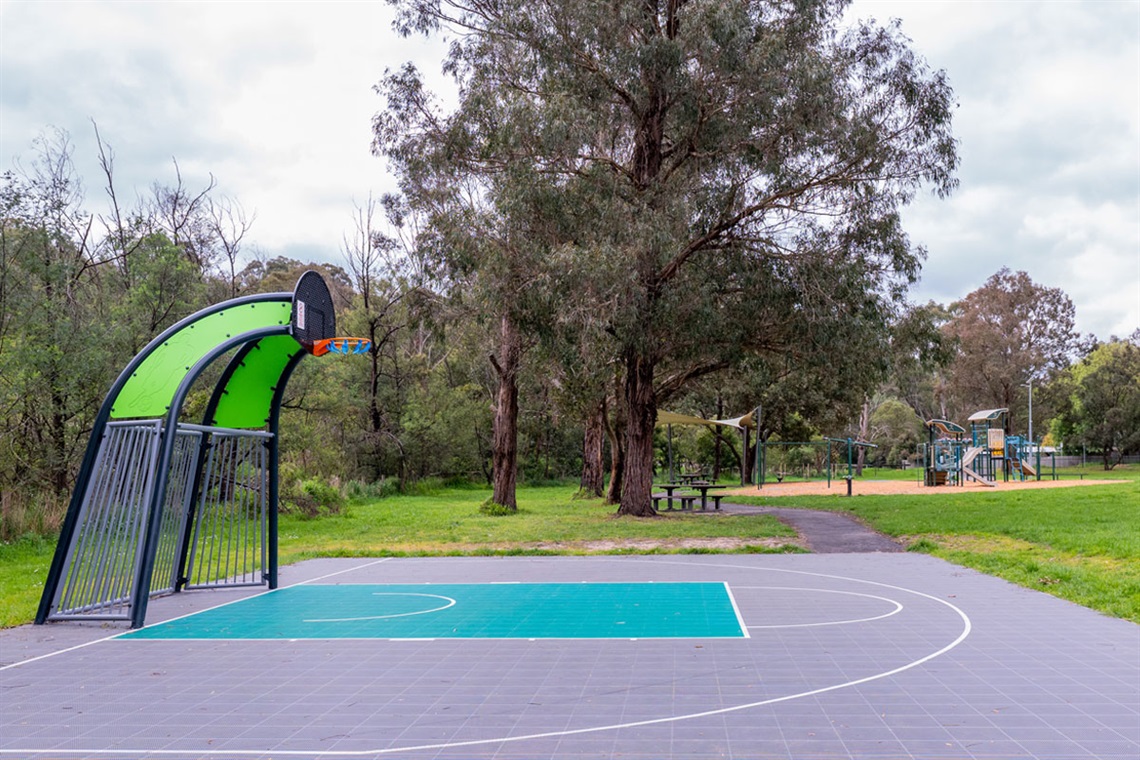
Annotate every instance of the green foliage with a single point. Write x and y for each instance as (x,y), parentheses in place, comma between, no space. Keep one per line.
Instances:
(357,490)
(896,430)
(1101,408)
(311,497)
(491,509)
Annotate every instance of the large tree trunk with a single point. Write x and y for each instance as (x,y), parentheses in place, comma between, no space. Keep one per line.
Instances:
(504,440)
(641,416)
(615,432)
(864,435)
(593,443)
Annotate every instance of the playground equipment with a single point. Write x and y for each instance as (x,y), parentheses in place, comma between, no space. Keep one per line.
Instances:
(949,458)
(987,432)
(161,505)
(942,455)
(828,465)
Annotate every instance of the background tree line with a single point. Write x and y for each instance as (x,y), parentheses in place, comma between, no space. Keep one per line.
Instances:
(82,291)
(631,206)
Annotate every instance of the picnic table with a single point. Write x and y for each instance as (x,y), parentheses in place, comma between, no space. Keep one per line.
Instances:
(704,488)
(669,488)
(687,500)
(689,477)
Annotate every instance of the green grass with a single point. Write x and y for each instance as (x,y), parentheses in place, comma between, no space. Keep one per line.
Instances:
(549,521)
(23,568)
(445,523)
(1080,544)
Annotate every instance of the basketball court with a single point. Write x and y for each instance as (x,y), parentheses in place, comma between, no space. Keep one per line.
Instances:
(745,656)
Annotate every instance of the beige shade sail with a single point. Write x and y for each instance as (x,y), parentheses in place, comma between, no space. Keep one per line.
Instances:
(673,418)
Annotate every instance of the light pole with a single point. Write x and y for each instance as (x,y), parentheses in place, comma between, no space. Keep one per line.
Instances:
(1030,386)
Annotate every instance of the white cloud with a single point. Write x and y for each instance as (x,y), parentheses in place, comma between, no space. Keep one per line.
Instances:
(1049,124)
(275,100)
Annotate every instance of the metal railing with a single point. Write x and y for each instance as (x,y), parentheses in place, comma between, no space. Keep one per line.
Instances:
(228,546)
(212,530)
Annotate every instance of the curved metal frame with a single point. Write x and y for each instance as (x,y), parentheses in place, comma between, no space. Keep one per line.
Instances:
(140,591)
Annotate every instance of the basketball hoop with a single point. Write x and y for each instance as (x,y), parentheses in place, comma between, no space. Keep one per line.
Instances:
(339,346)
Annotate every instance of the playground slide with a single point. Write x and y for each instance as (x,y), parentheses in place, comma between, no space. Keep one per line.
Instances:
(971,474)
(1028,469)
(971,454)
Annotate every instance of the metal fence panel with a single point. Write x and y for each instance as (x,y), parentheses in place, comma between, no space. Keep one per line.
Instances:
(106,549)
(229,546)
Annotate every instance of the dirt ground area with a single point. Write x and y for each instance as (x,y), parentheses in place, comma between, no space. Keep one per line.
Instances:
(908,487)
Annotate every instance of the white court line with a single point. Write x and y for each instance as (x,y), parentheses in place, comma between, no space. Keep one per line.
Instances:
(898,607)
(342,572)
(183,617)
(735,609)
(967,627)
(450,603)
(61,651)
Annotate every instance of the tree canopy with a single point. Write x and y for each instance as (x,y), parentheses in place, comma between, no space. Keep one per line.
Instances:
(704,167)
(1009,332)
(1100,408)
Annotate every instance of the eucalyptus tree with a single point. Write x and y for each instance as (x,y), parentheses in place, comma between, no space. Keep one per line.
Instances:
(1101,408)
(701,158)
(53,355)
(488,222)
(1009,332)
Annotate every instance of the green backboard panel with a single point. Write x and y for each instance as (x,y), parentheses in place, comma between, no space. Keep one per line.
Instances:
(248,395)
(149,390)
(468,611)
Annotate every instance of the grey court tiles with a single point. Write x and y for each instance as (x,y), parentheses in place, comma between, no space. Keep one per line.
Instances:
(877,656)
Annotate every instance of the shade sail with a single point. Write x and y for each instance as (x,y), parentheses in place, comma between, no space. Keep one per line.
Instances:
(673,418)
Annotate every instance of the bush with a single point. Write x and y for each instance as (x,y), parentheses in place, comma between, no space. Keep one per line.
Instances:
(37,514)
(491,509)
(312,497)
(358,490)
(424,487)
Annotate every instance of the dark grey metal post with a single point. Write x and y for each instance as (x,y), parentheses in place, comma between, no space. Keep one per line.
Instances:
(274,424)
(141,593)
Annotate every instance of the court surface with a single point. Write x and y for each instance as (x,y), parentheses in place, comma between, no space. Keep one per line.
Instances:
(468,611)
(741,656)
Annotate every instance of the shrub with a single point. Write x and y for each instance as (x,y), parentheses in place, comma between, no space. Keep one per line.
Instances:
(491,509)
(312,497)
(358,490)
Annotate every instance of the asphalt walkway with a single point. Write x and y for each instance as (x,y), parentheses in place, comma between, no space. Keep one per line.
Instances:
(825,532)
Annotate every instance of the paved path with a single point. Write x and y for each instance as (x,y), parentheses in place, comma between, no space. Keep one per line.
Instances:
(825,532)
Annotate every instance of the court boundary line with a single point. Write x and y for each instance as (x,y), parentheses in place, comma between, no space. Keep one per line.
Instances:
(898,607)
(967,628)
(127,635)
(736,610)
(120,634)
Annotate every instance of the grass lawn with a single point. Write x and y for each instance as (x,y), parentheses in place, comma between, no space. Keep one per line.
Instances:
(1081,544)
(549,521)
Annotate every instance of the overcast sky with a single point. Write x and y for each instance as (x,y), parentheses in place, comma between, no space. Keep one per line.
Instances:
(275,100)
